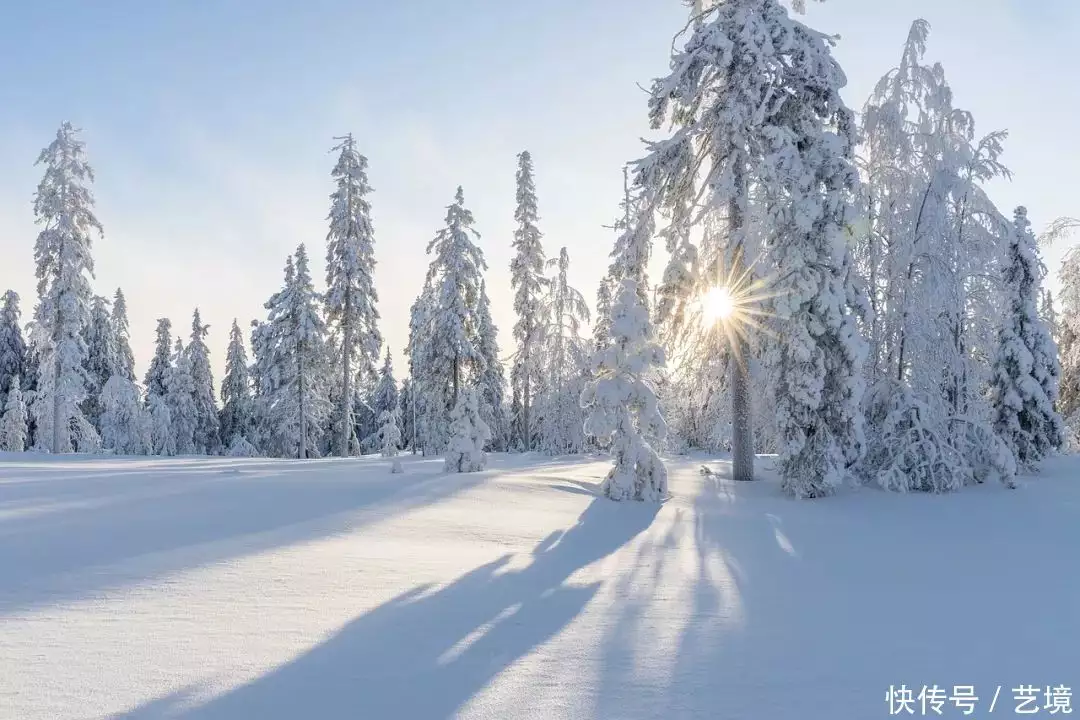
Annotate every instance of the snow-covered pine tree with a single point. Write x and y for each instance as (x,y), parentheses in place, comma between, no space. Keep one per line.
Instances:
(13,429)
(181,401)
(237,413)
(1069,343)
(300,405)
(528,282)
(207,436)
(13,360)
(154,382)
(738,96)
(491,380)
(123,419)
(64,207)
(122,330)
(102,359)
(622,408)
(390,437)
(162,435)
(266,376)
(428,389)
(930,250)
(602,326)
(1026,371)
(445,350)
(469,434)
(385,397)
(406,407)
(350,266)
(566,357)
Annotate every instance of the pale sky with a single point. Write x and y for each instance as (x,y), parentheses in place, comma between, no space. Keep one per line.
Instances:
(209,126)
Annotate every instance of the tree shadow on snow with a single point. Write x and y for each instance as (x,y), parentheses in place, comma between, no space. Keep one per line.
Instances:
(120,532)
(425,653)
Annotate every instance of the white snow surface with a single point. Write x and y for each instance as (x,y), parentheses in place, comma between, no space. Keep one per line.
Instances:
(250,588)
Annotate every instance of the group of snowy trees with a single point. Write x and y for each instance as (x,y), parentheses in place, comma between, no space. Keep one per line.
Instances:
(884,309)
(882,320)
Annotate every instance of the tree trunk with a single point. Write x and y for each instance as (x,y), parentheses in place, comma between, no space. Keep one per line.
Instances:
(303,413)
(345,437)
(526,434)
(742,440)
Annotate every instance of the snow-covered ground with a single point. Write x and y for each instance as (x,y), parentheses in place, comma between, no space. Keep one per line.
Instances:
(229,588)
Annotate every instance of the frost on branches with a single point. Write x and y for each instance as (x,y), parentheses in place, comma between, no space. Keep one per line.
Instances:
(1026,370)
(622,406)
(63,205)
(13,428)
(755,98)
(390,437)
(528,282)
(13,351)
(123,422)
(468,435)
(350,296)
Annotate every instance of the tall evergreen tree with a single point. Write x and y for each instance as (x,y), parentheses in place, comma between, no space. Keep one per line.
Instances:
(123,419)
(385,396)
(566,358)
(738,97)
(102,360)
(1026,370)
(237,412)
(122,331)
(207,428)
(64,206)
(300,404)
(13,428)
(160,363)
(444,347)
(13,360)
(491,381)
(528,282)
(350,267)
(181,401)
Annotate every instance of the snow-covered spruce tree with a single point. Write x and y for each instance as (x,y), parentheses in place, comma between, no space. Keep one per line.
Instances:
(13,360)
(622,408)
(754,96)
(122,330)
(180,396)
(265,377)
(468,435)
(390,437)
(566,357)
(528,282)
(406,408)
(13,430)
(102,359)
(1026,370)
(207,428)
(445,350)
(491,380)
(123,420)
(429,390)
(162,435)
(299,402)
(154,382)
(385,397)
(350,266)
(64,207)
(236,414)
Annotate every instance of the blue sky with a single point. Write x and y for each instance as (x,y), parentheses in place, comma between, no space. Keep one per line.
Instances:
(208,124)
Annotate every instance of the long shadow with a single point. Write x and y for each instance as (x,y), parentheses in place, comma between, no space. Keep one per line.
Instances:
(424,654)
(143,526)
(812,609)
